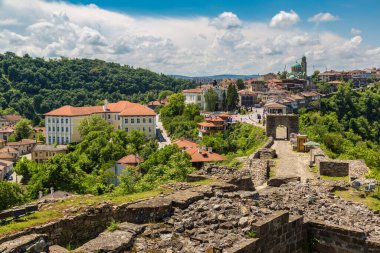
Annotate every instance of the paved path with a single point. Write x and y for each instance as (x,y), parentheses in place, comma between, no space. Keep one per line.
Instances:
(162,136)
(291,163)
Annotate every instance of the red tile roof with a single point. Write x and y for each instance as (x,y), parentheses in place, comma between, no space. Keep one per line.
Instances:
(198,89)
(8,149)
(131,159)
(274,105)
(124,108)
(11,117)
(22,142)
(198,155)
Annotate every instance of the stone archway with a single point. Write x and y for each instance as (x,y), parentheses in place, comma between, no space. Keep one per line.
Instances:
(290,121)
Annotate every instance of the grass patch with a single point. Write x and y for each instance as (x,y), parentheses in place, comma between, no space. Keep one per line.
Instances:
(204,182)
(113,226)
(358,197)
(347,179)
(251,234)
(53,211)
(314,169)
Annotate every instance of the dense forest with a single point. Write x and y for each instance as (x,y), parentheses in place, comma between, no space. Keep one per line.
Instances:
(33,86)
(348,125)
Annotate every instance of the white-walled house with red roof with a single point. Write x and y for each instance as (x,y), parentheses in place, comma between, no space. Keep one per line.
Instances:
(62,123)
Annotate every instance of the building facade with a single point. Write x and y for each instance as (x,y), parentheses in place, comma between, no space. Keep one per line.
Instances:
(197,96)
(41,153)
(62,124)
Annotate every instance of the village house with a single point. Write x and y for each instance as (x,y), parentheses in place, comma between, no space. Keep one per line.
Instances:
(248,98)
(130,160)
(275,108)
(5,132)
(199,155)
(41,153)
(37,131)
(5,168)
(212,125)
(62,124)
(23,147)
(9,154)
(312,98)
(197,96)
(9,120)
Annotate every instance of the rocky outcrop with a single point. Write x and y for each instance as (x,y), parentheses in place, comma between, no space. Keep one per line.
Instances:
(118,241)
(33,243)
(278,181)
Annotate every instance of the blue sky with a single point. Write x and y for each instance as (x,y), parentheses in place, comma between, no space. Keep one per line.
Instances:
(198,37)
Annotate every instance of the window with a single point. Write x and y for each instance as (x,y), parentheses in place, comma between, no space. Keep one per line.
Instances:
(53,139)
(57,129)
(53,120)
(150,120)
(53,129)
(48,120)
(62,120)
(150,129)
(138,120)
(143,129)
(58,139)
(109,116)
(49,139)
(49,129)
(118,117)
(132,121)
(126,129)
(62,129)
(67,129)
(126,121)
(67,121)
(143,120)
(67,139)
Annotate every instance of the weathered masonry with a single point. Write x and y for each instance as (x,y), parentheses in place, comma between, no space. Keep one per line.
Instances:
(290,121)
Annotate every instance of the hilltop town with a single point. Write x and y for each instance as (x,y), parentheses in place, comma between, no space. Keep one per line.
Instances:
(284,162)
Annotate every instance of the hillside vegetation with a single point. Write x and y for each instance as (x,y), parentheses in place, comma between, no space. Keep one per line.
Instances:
(348,126)
(34,86)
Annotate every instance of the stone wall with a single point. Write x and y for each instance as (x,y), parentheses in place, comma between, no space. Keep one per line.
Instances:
(334,168)
(339,239)
(288,120)
(276,234)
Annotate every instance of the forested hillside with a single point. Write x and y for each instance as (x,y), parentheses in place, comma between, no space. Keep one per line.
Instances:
(34,86)
(348,126)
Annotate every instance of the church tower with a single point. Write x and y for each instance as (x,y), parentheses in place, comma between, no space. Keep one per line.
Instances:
(304,66)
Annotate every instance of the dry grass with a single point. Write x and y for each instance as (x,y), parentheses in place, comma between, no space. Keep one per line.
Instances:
(358,197)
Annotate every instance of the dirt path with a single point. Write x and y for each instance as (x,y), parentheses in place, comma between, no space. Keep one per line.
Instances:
(290,163)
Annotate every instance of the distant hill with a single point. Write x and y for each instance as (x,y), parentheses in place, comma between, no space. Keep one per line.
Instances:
(34,86)
(214,77)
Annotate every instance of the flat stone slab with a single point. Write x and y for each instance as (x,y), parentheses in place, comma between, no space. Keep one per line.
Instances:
(117,241)
(28,243)
(183,199)
(151,210)
(278,181)
(57,249)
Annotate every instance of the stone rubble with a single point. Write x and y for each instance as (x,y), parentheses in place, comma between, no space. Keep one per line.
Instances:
(317,202)
(218,221)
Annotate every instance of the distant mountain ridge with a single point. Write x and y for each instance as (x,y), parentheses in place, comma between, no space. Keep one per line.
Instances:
(215,77)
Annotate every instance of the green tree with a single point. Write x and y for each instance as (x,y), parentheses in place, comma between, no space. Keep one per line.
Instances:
(232,97)
(11,194)
(211,99)
(240,84)
(94,123)
(23,130)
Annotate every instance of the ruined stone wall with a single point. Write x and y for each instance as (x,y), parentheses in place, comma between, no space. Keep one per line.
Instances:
(329,238)
(274,120)
(277,234)
(334,168)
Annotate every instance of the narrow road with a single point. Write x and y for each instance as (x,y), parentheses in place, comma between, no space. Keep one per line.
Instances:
(162,136)
(291,163)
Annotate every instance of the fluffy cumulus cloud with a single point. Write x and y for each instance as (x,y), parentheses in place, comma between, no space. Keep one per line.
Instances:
(323,17)
(285,19)
(189,46)
(355,31)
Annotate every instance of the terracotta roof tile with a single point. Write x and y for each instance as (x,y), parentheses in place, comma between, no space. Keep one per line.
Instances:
(131,159)
(274,105)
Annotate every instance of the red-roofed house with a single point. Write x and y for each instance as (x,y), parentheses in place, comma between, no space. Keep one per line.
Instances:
(212,125)
(62,124)
(9,120)
(199,155)
(130,160)
(275,108)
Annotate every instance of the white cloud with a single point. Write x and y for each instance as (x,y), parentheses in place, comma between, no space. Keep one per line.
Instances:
(226,20)
(189,46)
(323,17)
(355,31)
(285,19)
